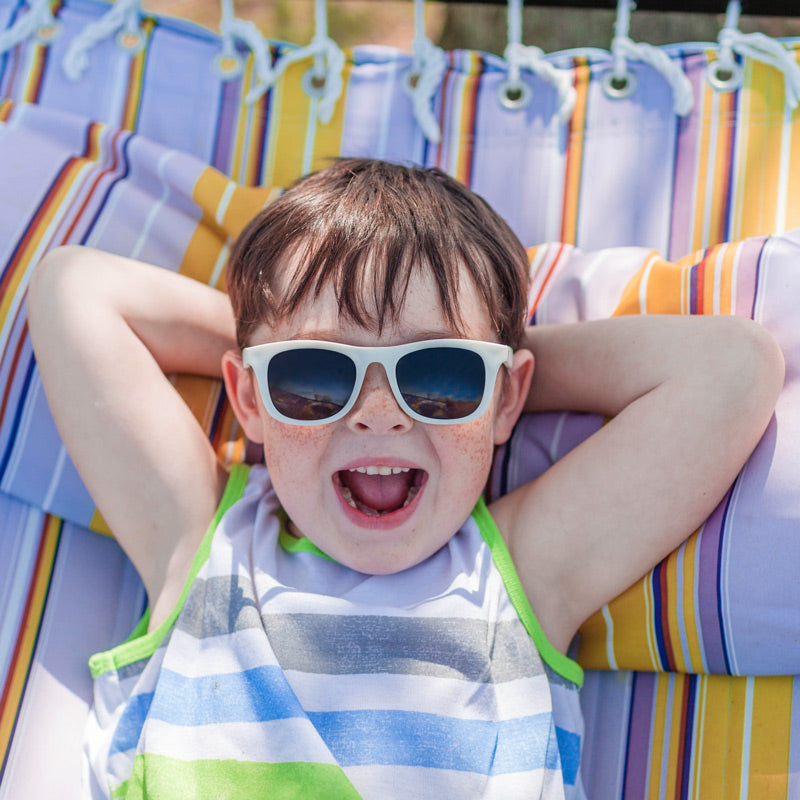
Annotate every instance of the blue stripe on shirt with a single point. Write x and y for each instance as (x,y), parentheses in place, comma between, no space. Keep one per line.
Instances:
(360,737)
(409,738)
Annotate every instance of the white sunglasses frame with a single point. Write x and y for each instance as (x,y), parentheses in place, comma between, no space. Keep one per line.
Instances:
(493,355)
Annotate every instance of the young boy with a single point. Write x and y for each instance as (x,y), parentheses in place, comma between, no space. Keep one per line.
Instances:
(351,619)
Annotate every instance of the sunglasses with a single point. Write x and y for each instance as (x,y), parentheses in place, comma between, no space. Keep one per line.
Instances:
(439,381)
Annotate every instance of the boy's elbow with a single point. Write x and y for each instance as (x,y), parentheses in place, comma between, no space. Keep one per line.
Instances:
(49,271)
(52,290)
(761,368)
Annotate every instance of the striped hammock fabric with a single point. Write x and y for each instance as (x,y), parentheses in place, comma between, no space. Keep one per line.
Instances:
(156,153)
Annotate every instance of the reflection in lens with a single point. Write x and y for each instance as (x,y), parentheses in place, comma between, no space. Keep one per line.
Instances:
(310,384)
(441,382)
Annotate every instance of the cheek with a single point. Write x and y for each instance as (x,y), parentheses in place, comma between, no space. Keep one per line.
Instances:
(289,449)
(471,446)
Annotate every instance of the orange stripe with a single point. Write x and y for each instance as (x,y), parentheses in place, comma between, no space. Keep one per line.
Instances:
(547,277)
(133,95)
(19,667)
(94,152)
(574,159)
(466,138)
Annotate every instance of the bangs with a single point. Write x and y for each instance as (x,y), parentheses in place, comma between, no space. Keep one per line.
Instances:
(368,252)
(365,228)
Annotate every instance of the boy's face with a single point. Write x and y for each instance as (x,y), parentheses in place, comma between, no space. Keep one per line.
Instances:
(378,523)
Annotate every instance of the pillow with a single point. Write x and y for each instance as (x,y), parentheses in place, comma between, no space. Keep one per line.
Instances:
(726,601)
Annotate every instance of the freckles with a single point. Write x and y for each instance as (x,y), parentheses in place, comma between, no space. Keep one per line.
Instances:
(291,443)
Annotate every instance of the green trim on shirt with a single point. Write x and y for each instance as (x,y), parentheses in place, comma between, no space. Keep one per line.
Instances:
(140,644)
(294,544)
(556,660)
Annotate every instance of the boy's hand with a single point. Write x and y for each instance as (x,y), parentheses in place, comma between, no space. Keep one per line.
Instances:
(105,329)
(690,397)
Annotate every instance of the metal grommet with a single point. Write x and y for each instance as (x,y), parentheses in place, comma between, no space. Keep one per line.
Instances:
(725,78)
(314,84)
(228,66)
(514,95)
(131,41)
(45,34)
(618,87)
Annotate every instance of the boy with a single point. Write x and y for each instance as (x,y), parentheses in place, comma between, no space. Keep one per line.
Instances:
(352,619)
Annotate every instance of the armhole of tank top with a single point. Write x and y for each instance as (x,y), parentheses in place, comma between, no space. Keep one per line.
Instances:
(554,659)
(140,644)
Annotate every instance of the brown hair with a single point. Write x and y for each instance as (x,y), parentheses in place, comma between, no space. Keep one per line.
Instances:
(365,225)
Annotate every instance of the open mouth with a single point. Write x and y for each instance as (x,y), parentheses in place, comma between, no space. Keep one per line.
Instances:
(379,490)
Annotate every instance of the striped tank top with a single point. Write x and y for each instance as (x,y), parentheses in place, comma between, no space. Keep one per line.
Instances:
(281,673)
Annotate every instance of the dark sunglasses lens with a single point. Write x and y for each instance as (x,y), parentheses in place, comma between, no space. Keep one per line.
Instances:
(310,384)
(442,382)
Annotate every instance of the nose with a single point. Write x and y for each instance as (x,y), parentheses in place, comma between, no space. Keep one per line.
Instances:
(376,409)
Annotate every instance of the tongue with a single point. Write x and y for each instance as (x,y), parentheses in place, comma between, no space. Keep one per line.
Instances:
(381,492)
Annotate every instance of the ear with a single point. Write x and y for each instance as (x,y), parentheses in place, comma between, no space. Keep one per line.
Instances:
(243,395)
(516,384)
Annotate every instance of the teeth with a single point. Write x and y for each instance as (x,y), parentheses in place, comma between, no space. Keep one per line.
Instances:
(380,470)
(348,495)
(412,493)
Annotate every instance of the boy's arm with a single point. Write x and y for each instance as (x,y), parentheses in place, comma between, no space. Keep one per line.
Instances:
(689,396)
(105,331)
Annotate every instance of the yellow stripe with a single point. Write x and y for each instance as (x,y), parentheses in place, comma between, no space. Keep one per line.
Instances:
(632,645)
(662,287)
(291,117)
(690,613)
(759,176)
(792,198)
(27,636)
(328,140)
(227,208)
(707,113)
(241,126)
(672,632)
(771,733)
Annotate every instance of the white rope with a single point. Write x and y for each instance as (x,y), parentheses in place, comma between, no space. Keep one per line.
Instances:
(37,21)
(759,47)
(228,62)
(121,20)
(532,58)
(519,57)
(425,76)
(623,49)
(324,79)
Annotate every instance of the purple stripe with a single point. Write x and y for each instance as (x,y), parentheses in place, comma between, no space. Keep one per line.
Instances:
(711,634)
(637,750)
(685,165)
(690,690)
(694,271)
(226,121)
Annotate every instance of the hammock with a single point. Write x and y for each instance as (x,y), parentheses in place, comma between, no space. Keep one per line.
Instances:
(645,180)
